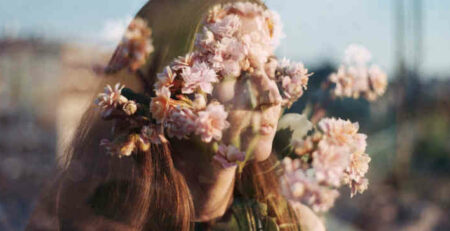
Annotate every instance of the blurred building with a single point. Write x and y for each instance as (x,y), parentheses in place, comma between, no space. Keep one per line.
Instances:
(44,89)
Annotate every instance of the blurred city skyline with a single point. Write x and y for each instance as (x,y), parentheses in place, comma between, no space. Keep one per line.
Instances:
(316,31)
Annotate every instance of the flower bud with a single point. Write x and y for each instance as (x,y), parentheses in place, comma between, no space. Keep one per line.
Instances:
(130,107)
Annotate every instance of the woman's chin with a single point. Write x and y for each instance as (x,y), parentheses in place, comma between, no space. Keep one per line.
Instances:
(262,150)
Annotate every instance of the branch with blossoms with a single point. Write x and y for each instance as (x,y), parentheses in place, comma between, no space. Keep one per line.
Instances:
(323,154)
(355,78)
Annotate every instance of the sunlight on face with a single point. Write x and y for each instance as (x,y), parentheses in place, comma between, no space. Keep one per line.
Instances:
(254,106)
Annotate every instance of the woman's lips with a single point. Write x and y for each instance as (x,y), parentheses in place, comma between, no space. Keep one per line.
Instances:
(266,128)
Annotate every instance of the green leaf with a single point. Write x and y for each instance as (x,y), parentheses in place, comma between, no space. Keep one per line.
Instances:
(292,126)
(297,123)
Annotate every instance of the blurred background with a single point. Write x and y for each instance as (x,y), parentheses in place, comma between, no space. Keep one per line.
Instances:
(47,49)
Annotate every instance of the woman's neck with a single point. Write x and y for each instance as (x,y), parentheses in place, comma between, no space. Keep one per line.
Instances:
(211,186)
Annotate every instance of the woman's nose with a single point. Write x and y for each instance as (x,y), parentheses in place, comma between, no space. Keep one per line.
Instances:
(268,93)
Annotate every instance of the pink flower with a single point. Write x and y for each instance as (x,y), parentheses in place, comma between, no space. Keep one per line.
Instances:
(354,173)
(351,81)
(329,162)
(343,81)
(259,47)
(205,41)
(216,13)
(198,77)
(180,123)
(231,48)
(378,81)
(358,186)
(357,55)
(111,99)
(339,131)
(275,27)
(136,45)
(183,61)
(294,79)
(228,156)
(229,54)
(339,156)
(165,79)
(211,122)
(161,104)
(111,96)
(226,27)
(355,79)
(297,186)
(360,82)
(244,37)
(244,8)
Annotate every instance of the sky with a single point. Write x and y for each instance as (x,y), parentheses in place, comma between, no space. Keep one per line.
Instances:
(316,31)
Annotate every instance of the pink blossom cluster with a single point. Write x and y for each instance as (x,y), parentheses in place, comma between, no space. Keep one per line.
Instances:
(239,37)
(355,78)
(337,151)
(298,186)
(135,47)
(112,100)
(229,156)
(335,155)
(293,80)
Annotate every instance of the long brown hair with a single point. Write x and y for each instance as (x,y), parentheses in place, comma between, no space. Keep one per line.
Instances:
(145,191)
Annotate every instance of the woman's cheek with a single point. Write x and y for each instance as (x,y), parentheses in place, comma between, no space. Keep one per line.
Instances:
(263,148)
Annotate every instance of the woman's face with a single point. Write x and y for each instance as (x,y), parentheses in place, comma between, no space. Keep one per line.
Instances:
(254,106)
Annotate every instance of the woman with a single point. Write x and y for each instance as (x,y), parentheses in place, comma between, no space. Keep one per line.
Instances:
(178,184)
